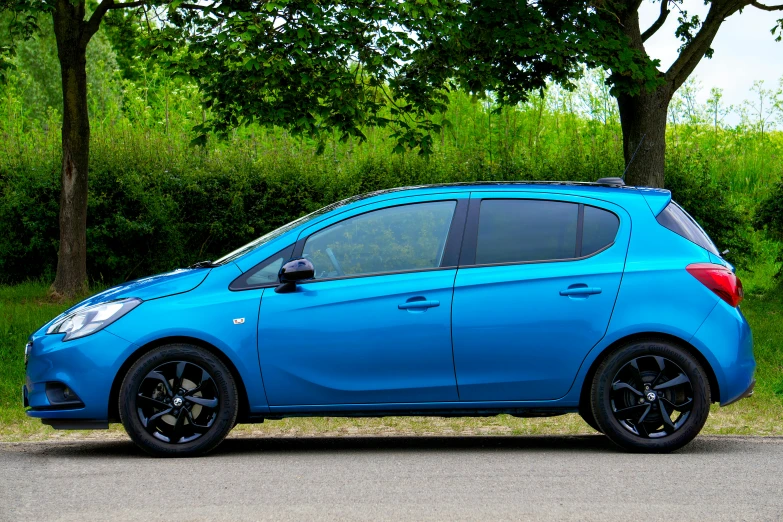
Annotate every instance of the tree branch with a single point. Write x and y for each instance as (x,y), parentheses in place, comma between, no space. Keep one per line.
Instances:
(196,6)
(659,22)
(767,7)
(692,53)
(128,5)
(91,26)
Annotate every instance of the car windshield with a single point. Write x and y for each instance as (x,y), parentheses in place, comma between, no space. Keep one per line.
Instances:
(239,252)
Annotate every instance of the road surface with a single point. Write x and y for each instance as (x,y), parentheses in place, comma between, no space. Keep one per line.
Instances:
(394,478)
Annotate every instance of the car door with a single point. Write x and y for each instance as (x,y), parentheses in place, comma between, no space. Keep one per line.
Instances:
(535,290)
(374,326)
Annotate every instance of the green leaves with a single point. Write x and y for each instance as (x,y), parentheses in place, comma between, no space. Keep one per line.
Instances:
(315,68)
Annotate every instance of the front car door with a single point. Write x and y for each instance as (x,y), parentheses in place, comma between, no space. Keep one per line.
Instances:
(375,324)
(537,283)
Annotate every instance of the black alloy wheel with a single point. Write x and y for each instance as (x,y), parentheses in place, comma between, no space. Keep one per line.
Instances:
(650,395)
(178,400)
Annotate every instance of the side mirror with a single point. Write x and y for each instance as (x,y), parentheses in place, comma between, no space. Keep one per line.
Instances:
(292,272)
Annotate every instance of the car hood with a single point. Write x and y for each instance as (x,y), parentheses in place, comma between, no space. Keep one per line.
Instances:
(146,288)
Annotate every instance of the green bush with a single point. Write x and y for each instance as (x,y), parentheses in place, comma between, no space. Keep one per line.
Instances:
(709,201)
(769,215)
(155,204)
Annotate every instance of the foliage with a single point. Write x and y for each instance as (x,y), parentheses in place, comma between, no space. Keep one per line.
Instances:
(769,217)
(770,212)
(157,203)
(709,200)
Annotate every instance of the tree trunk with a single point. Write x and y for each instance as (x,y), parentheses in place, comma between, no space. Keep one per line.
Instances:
(643,117)
(71,277)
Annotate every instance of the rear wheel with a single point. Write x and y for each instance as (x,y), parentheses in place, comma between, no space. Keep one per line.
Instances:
(587,415)
(650,396)
(178,400)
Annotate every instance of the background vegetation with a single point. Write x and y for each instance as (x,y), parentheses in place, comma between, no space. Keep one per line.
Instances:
(158,203)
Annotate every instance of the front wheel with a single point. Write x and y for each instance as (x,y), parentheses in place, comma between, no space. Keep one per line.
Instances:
(650,396)
(178,400)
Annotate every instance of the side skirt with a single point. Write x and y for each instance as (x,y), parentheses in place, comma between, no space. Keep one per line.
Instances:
(484,412)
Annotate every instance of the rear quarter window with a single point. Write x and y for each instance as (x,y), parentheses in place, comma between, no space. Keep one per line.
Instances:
(681,223)
(599,230)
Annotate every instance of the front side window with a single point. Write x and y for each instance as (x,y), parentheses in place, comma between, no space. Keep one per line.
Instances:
(265,273)
(523,230)
(395,239)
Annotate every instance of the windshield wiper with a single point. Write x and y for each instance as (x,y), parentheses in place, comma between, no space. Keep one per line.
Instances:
(204,264)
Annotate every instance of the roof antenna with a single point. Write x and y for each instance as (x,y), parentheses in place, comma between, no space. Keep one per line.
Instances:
(634,156)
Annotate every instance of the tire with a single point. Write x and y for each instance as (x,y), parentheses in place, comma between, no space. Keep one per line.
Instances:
(587,415)
(178,400)
(641,385)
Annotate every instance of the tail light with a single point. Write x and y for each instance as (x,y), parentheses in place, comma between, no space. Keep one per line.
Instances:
(720,280)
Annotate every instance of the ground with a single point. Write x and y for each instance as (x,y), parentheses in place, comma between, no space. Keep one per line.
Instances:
(580,477)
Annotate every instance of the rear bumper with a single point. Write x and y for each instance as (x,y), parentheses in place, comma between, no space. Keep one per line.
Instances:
(726,341)
(745,394)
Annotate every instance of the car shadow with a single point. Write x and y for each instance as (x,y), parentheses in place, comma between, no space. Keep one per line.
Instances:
(413,443)
(241,445)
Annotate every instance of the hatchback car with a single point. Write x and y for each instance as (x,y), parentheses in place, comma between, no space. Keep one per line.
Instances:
(528,299)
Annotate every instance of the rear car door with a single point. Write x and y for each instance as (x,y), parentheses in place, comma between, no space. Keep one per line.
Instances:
(538,278)
(375,325)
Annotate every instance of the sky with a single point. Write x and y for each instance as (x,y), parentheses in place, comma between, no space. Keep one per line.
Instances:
(745,51)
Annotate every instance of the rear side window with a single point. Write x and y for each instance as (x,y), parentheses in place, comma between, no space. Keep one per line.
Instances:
(599,230)
(529,230)
(680,222)
(519,230)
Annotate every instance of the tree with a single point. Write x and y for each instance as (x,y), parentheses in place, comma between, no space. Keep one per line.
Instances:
(643,107)
(311,67)
(607,34)
(73,31)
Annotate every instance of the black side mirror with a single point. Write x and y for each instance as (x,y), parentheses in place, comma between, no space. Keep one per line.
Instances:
(292,272)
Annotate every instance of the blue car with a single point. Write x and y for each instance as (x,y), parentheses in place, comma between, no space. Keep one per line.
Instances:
(528,299)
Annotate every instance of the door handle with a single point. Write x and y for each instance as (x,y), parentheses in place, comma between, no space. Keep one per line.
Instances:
(580,290)
(412,305)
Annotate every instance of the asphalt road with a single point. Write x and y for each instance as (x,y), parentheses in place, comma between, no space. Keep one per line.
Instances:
(393,478)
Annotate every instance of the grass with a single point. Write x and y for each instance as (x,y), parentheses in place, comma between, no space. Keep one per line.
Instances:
(25,307)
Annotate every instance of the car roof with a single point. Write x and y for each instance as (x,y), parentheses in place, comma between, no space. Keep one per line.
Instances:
(563,187)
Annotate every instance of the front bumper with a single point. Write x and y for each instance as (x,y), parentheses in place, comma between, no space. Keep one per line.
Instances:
(86,366)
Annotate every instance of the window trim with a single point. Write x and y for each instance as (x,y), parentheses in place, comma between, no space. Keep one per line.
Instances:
(470,243)
(451,250)
(240,283)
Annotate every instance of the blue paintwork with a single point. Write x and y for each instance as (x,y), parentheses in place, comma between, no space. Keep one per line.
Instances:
(491,338)
(380,354)
(657,199)
(551,333)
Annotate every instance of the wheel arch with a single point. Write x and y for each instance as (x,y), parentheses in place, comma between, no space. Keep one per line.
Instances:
(114,394)
(584,394)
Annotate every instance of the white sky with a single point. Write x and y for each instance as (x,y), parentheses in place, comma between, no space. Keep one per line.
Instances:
(745,51)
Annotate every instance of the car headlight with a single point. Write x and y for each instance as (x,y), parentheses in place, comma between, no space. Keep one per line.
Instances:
(90,319)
